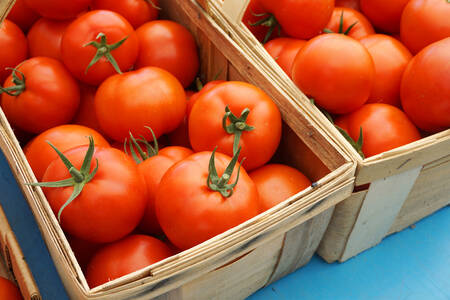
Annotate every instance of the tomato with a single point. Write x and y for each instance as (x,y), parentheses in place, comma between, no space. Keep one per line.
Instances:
(42,95)
(425,89)
(336,70)
(348,3)
(384,127)
(89,36)
(86,112)
(44,38)
(284,50)
(384,15)
(254,15)
(108,202)
(39,154)
(9,290)
(256,122)
(146,97)
(204,89)
(137,12)
(424,22)
(125,256)
(14,48)
(58,9)
(390,58)
(170,46)
(190,211)
(351,19)
(22,15)
(276,183)
(83,250)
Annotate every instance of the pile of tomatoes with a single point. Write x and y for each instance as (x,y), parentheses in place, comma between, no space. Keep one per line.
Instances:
(380,69)
(134,167)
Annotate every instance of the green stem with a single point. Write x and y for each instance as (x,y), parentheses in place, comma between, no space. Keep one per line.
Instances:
(151,150)
(19,84)
(220,184)
(237,125)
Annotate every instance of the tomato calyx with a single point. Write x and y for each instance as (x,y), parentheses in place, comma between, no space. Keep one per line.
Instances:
(341,26)
(237,125)
(151,150)
(79,177)
(220,184)
(358,144)
(104,49)
(19,86)
(269,21)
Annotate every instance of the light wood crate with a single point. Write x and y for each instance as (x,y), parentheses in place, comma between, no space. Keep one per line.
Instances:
(396,188)
(243,259)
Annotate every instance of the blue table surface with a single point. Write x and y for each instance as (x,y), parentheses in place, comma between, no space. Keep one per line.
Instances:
(413,264)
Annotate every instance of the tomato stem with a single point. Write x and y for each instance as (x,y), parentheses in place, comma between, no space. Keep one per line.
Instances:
(220,184)
(269,21)
(358,144)
(151,150)
(19,84)
(237,125)
(341,26)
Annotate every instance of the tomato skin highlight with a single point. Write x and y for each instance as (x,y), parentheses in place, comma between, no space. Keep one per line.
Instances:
(425,92)
(190,213)
(130,254)
(284,51)
(384,127)
(361,29)
(8,290)
(149,96)
(110,206)
(384,15)
(336,70)
(58,9)
(14,48)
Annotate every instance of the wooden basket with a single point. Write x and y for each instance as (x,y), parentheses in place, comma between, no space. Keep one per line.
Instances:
(12,262)
(243,259)
(395,189)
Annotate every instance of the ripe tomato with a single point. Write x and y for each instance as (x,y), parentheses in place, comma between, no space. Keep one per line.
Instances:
(276,182)
(9,290)
(45,36)
(39,154)
(137,12)
(254,15)
(284,50)
(98,34)
(336,70)
(125,256)
(86,112)
(204,89)
(384,127)
(146,97)
(83,250)
(58,9)
(209,114)
(390,58)
(170,46)
(191,212)
(351,19)
(22,15)
(425,89)
(105,207)
(424,22)
(348,3)
(42,95)
(384,15)
(14,48)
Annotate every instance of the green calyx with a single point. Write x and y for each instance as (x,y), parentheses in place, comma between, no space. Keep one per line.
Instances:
(236,126)
(19,86)
(133,143)
(103,49)
(79,177)
(220,184)
(269,21)
(341,26)
(358,144)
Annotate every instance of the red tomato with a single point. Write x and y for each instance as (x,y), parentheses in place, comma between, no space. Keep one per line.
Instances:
(206,130)
(193,99)
(361,26)
(390,58)
(275,183)
(86,112)
(284,50)
(348,3)
(125,256)
(110,205)
(83,250)
(424,22)
(44,38)
(83,41)
(170,46)
(44,95)
(22,15)
(39,154)
(9,290)
(146,97)
(384,15)
(58,9)
(384,127)
(137,12)
(425,88)
(336,70)
(153,169)
(14,48)
(254,14)
(190,212)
